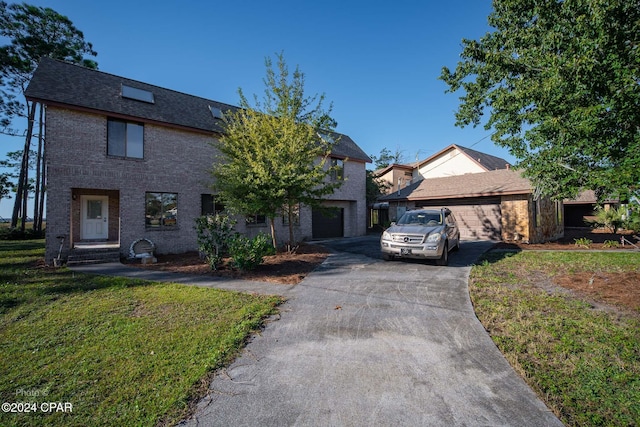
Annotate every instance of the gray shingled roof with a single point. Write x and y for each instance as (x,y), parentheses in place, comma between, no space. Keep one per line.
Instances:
(492,183)
(486,161)
(61,83)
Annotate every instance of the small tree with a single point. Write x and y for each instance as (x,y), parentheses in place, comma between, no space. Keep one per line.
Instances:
(610,218)
(375,187)
(273,155)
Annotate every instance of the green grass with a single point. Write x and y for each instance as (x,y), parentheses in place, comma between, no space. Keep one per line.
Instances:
(122,352)
(583,362)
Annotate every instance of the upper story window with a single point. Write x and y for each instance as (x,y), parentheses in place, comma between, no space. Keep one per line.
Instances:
(125,139)
(337,172)
(138,94)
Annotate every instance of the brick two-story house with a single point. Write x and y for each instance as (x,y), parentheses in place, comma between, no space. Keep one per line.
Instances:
(128,160)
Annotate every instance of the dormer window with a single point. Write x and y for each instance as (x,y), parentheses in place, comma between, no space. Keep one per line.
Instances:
(216,112)
(137,94)
(326,137)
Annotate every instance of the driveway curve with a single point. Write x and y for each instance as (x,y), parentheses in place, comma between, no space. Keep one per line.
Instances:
(367,342)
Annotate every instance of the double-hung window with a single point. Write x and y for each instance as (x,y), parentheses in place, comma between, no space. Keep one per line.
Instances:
(210,205)
(161,210)
(125,139)
(337,169)
(256,219)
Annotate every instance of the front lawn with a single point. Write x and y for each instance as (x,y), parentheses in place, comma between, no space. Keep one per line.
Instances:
(579,353)
(114,351)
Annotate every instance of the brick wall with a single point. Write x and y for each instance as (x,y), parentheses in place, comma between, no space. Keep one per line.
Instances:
(175,161)
(352,197)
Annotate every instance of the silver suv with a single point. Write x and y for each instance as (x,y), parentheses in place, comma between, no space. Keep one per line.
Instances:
(422,234)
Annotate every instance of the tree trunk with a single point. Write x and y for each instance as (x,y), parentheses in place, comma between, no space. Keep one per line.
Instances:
(291,237)
(23,180)
(37,219)
(43,186)
(272,223)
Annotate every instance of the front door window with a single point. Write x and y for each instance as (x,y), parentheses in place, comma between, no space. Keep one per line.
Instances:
(95,221)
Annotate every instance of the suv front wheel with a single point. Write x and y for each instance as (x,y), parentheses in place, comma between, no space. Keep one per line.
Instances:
(444,259)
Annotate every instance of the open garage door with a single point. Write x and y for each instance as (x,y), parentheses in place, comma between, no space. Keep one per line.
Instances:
(324,225)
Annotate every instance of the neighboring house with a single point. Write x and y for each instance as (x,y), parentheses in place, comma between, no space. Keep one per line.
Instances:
(452,160)
(489,200)
(127,161)
(457,160)
(395,176)
(581,211)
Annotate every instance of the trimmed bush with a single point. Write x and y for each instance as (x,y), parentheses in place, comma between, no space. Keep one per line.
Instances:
(248,253)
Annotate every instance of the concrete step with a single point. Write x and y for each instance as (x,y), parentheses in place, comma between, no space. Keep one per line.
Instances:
(93,256)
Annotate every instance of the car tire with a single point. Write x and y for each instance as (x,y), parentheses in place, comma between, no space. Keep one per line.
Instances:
(387,257)
(444,259)
(457,246)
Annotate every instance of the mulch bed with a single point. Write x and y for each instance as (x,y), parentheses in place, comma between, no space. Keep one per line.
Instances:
(283,268)
(615,289)
(568,242)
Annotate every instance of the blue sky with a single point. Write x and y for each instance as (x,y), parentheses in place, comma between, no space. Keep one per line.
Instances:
(378,62)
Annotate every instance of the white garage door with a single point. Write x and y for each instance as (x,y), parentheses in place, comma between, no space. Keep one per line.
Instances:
(478,219)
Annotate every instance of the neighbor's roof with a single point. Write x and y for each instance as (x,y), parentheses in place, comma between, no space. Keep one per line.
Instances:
(589,197)
(382,171)
(483,184)
(486,161)
(73,86)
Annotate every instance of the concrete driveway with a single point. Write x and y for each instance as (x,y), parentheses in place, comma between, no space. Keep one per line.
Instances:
(363,342)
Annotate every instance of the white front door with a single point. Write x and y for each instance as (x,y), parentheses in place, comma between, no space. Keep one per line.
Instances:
(95,221)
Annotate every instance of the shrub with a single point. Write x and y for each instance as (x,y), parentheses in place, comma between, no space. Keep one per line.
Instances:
(610,244)
(632,219)
(611,218)
(248,253)
(583,242)
(215,232)
(7,233)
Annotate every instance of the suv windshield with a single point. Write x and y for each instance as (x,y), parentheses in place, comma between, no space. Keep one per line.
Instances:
(420,218)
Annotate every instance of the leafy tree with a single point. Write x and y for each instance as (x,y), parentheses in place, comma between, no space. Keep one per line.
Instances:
(561,79)
(32,33)
(274,154)
(386,158)
(5,185)
(375,187)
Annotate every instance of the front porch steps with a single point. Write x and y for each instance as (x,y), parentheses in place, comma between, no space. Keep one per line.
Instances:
(94,253)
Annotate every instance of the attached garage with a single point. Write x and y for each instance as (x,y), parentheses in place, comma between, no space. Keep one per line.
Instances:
(478,218)
(327,224)
(494,205)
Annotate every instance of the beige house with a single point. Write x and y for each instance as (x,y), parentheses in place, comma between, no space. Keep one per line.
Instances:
(488,198)
(127,161)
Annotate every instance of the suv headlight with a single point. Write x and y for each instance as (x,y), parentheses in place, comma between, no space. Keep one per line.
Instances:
(386,236)
(433,238)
